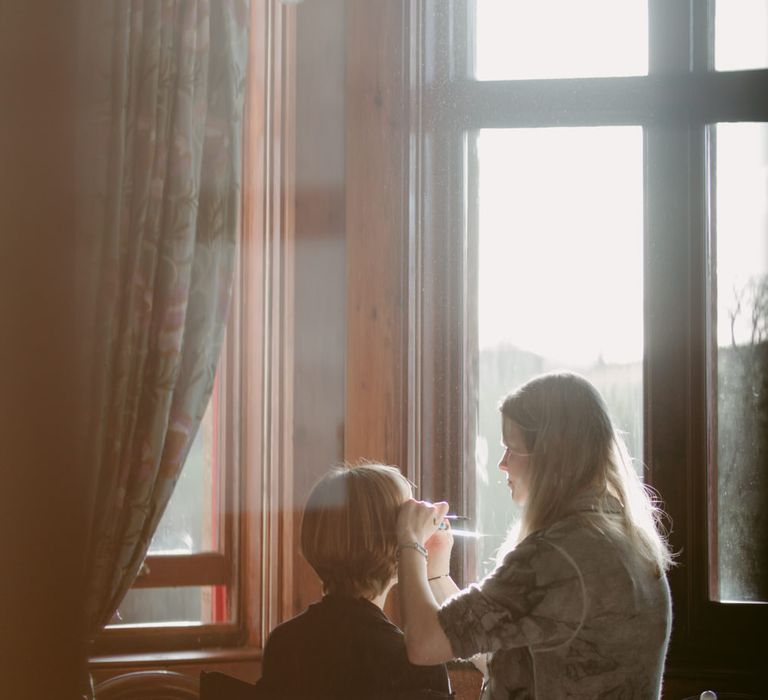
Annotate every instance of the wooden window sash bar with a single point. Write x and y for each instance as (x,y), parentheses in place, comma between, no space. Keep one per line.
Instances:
(654,99)
(166,640)
(203,569)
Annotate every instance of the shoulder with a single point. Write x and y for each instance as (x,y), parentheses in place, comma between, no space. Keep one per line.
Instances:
(575,539)
(599,546)
(543,571)
(288,628)
(351,642)
(535,596)
(286,636)
(612,572)
(296,624)
(547,551)
(334,627)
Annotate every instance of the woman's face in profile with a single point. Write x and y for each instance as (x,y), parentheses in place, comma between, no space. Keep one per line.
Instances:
(515,461)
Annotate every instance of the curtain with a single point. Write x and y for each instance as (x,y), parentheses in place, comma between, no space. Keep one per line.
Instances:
(162,85)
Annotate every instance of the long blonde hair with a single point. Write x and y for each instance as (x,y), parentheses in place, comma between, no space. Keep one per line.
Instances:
(575,450)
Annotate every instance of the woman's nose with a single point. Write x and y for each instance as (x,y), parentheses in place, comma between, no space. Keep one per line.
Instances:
(503,462)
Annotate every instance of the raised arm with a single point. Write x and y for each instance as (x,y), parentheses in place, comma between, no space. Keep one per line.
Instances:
(425,640)
(439,548)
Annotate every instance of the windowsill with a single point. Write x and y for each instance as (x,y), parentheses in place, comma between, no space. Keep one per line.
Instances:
(174,658)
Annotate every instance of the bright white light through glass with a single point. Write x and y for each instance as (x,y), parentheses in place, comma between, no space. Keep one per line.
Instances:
(742,224)
(177,607)
(527,39)
(561,221)
(560,283)
(741,34)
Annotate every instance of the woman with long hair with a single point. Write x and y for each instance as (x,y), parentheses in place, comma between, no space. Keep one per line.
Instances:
(580,606)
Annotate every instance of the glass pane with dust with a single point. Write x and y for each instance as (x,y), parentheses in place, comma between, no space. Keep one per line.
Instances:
(739,484)
(191,520)
(560,283)
(538,39)
(182,606)
(741,34)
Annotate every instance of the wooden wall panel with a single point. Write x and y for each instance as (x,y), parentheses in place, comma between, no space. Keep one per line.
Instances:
(319,323)
(377,228)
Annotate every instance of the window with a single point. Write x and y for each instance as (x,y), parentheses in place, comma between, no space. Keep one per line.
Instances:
(558,286)
(214,581)
(193,529)
(187,592)
(738,482)
(604,212)
(530,39)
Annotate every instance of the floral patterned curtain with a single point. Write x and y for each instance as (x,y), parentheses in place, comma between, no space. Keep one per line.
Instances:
(163,84)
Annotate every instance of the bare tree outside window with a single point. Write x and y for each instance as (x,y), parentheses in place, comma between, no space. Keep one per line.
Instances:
(739,485)
(742,449)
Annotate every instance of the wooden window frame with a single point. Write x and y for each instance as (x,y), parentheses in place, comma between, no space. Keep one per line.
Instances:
(423,414)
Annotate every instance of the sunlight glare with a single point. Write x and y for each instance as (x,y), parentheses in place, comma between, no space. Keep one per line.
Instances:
(741,34)
(526,39)
(561,224)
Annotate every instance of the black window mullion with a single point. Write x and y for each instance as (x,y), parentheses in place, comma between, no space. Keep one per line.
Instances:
(669,346)
(679,393)
(671,468)
(670,50)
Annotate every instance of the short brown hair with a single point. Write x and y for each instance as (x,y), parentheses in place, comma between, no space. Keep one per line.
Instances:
(348,528)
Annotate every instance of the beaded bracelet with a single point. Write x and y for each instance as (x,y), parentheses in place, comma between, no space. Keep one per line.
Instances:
(413,545)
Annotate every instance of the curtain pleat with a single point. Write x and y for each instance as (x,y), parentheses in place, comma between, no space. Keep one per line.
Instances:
(164,84)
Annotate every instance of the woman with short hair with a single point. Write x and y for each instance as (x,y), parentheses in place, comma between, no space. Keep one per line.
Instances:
(580,606)
(344,646)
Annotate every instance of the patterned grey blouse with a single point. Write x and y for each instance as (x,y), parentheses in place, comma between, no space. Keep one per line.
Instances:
(570,613)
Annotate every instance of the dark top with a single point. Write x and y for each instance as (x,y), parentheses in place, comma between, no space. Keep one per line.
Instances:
(344,648)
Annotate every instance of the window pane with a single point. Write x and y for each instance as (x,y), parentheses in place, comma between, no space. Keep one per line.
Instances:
(739,497)
(560,281)
(524,39)
(189,605)
(190,522)
(741,34)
